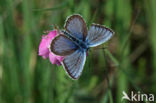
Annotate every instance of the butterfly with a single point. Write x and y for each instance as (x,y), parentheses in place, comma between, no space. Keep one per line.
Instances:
(74,42)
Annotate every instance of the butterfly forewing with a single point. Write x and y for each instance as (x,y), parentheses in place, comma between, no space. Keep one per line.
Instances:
(98,34)
(61,45)
(74,63)
(76,25)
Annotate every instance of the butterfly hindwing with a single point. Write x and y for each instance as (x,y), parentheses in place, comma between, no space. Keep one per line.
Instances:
(98,34)
(61,45)
(74,63)
(76,25)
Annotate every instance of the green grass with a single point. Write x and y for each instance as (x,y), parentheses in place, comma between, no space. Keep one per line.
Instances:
(126,63)
(151,15)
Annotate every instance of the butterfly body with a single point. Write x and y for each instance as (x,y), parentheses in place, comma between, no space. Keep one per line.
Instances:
(80,43)
(75,42)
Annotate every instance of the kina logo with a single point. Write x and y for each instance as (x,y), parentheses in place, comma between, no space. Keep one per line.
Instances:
(137,96)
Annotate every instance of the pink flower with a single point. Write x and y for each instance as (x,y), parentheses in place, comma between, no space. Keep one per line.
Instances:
(44,48)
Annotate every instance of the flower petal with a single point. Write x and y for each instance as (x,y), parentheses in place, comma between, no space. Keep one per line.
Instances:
(45,43)
(54,59)
(44,50)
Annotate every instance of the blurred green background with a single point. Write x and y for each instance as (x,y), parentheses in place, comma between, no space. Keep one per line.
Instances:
(128,62)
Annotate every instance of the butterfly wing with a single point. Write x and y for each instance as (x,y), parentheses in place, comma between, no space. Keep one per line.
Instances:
(98,34)
(61,45)
(76,26)
(74,63)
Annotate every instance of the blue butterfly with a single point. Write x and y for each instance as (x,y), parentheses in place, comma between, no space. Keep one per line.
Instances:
(74,42)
